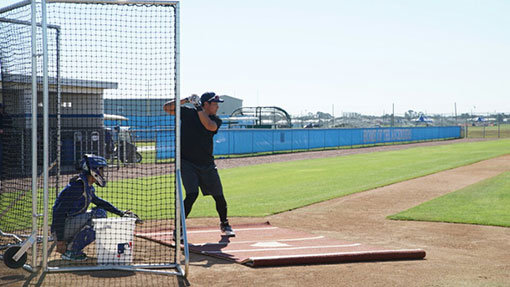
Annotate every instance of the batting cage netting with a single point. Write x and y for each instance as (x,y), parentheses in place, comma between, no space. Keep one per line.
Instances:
(110,67)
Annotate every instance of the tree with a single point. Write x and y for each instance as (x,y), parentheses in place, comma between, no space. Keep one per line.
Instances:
(465,116)
(500,117)
(411,115)
(322,115)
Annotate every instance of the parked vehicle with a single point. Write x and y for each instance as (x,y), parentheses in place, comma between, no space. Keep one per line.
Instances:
(120,145)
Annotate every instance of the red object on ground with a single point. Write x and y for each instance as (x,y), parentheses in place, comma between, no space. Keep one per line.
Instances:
(266,245)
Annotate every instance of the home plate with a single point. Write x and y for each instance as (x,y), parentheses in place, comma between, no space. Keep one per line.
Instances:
(266,245)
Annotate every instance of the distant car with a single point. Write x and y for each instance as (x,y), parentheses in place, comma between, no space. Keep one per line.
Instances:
(312,125)
(124,141)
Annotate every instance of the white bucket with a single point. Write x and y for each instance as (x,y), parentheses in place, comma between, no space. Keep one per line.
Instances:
(114,240)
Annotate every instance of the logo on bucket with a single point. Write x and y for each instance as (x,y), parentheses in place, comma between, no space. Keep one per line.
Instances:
(121,247)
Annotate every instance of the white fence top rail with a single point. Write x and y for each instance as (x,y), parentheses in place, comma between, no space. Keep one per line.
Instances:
(120,2)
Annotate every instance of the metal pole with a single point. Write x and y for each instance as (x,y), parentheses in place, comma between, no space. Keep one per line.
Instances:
(34,130)
(392,114)
(118,147)
(124,147)
(59,111)
(118,2)
(179,206)
(28,23)
(45,133)
(15,6)
(455,105)
(333,109)
(133,151)
(184,235)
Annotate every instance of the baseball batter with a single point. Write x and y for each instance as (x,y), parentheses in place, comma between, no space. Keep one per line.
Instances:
(198,127)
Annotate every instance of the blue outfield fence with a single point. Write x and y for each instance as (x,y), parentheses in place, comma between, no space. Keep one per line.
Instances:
(247,141)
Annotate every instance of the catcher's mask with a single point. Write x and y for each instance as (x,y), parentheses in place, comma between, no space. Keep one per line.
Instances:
(94,165)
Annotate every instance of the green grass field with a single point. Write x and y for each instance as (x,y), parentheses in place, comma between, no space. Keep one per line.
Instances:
(266,189)
(503,131)
(272,188)
(149,143)
(485,203)
(148,156)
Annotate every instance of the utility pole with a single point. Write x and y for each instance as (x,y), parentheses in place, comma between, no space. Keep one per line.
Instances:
(455,104)
(333,108)
(393,115)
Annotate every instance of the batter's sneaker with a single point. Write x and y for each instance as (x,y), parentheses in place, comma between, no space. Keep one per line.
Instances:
(72,256)
(227,229)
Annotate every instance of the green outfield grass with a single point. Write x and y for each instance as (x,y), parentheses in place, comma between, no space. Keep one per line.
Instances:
(272,188)
(265,189)
(150,143)
(148,157)
(503,131)
(486,202)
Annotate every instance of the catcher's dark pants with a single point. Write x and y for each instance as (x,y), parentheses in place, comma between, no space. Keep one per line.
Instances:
(208,179)
(79,231)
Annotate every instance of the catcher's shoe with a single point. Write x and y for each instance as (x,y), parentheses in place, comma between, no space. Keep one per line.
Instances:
(227,229)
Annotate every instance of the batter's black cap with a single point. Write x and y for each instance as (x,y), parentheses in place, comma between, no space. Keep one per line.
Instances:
(210,97)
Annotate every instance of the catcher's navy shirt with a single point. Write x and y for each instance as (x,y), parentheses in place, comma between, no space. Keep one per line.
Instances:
(196,140)
(74,199)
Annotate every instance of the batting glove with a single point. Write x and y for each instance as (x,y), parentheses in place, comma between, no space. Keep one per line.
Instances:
(195,100)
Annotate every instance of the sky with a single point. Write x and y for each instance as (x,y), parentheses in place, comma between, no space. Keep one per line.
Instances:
(340,56)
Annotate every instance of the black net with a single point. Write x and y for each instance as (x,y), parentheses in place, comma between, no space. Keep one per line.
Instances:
(111,67)
(16,121)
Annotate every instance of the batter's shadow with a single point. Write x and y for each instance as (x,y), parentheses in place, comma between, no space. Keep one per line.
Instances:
(197,259)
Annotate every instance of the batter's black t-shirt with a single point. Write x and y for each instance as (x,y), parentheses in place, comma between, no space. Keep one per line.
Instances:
(196,140)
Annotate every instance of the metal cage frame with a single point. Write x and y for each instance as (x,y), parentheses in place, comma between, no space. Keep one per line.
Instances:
(179,210)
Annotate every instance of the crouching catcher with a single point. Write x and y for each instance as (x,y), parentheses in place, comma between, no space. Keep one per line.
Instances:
(72,225)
